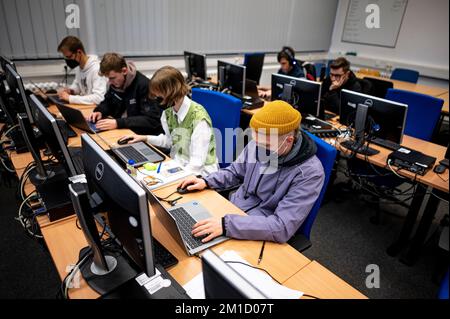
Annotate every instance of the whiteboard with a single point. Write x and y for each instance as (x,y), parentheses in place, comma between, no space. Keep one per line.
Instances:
(391,17)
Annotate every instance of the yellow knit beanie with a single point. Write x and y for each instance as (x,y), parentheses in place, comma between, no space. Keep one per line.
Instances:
(276,115)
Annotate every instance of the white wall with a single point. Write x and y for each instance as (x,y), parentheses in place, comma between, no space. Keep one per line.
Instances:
(422,43)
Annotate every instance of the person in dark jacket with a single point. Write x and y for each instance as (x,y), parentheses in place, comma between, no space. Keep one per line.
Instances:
(341,77)
(288,66)
(280,177)
(126,103)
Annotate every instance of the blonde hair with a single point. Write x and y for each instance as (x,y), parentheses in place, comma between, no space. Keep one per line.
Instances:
(169,83)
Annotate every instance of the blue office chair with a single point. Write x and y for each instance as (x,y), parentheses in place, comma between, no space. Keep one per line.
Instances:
(443,291)
(319,66)
(327,155)
(225,112)
(405,75)
(423,115)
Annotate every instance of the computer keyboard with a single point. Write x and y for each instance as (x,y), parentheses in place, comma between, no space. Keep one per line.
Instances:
(131,153)
(360,149)
(385,143)
(185,223)
(77,159)
(162,255)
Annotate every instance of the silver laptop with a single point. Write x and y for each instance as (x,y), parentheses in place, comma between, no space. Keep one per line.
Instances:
(139,152)
(179,221)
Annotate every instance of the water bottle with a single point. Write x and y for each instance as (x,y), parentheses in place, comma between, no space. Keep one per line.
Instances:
(131,170)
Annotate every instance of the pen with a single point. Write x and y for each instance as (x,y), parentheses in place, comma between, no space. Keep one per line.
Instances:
(262,251)
(159,168)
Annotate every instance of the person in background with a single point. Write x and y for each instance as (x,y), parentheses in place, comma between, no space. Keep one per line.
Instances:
(187,126)
(126,103)
(88,86)
(288,66)
(341,77)
(277,191)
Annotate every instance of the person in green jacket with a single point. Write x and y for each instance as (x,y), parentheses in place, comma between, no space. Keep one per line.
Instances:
(188,131)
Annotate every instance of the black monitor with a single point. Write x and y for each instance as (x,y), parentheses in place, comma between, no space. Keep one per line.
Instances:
(302,94)
(254,63)
(195,65)
(221,281)
(4,61)
(231,77)
(386,119)
(54,139)
(124,201)
(17,100)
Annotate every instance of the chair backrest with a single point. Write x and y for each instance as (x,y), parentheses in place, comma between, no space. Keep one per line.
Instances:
(379,87)
(319,66)
(423,115)
(327,155)
(225,112)
(310,71)
(443,291)
(406,75)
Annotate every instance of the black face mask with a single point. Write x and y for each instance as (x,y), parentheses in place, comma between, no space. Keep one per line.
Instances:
(72,63)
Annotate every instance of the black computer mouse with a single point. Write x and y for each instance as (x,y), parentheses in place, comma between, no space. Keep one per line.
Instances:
(123,141)
(181,190)
(439,169)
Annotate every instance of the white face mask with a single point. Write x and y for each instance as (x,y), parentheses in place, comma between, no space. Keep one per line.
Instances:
(265,155)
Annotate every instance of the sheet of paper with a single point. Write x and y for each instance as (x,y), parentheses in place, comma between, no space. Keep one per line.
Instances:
(195,287)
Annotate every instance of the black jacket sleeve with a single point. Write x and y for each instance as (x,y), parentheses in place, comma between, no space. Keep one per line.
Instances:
(145,116)
(331,98)
(103,106)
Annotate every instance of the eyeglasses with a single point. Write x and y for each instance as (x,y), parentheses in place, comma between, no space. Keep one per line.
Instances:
(337,76)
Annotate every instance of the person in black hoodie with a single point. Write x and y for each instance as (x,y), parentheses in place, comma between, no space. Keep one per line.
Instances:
(126,103)
(341,77)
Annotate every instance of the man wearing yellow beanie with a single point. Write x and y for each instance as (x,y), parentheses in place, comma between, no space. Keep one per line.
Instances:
(279,175)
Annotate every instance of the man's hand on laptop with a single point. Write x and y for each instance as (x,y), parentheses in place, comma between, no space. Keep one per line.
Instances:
(64,94)
(211,228)
(193,184)
(106,124)
(94,117)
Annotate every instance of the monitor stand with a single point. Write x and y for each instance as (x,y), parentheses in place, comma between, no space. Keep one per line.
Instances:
(133,290)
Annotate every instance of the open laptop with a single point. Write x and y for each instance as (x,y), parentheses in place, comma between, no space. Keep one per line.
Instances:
(179,221)
(74,116)
(139,152)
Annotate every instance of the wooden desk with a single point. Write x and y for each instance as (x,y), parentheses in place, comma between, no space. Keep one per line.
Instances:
(317,281)
(407,86)
(445,110)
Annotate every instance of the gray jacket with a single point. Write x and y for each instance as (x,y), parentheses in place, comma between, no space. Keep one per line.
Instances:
(276,203)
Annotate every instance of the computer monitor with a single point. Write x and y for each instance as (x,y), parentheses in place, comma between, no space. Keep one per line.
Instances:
(17,99)
(302,94)
(4,61)
(195,65)
(48,126)
(386,119)
(254,63)
(124,201)
(231,77)
(221,281)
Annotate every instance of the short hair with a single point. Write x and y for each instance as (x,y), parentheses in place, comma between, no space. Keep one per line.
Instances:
(112,62)
(340,63)
(71,43)
(287,53)
(169,82)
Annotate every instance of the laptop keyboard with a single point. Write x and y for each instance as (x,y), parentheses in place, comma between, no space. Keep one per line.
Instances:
(131,153)
(185,223)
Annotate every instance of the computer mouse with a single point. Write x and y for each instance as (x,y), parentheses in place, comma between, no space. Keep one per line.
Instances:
(439,169)
(124,141)
(181,190)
